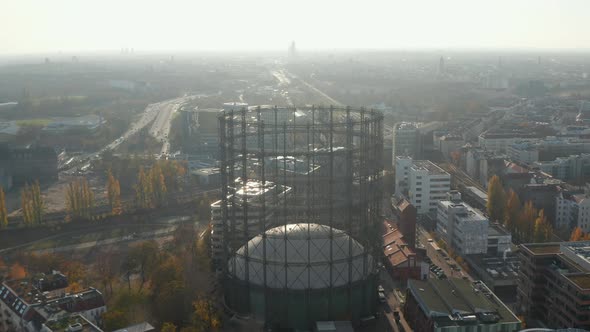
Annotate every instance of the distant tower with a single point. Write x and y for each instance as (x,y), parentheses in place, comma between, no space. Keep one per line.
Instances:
(441,66)
(538,60)
(499,62)
(292,50)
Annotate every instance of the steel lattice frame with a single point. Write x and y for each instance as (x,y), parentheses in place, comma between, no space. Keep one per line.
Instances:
(340,151)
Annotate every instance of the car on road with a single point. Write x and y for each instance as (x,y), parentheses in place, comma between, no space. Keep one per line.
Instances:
(382,297)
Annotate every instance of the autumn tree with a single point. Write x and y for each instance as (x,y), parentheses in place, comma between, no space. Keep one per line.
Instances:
(512,211)
(17,271)
(114,320)
(543,229)
(145,256)
(3,213)
(106,268)
(206,317)
(32,203)
(114,193)
(169,290)
(158,185)
(79,200)
(143,190)
(496,199)
(526,223)
(168,327)
(577,234)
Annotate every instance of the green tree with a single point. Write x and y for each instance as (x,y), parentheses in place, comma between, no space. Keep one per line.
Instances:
(3,213)
(496,199)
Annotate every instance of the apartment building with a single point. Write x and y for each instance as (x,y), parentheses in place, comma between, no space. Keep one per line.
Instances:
(554,283)
(463,227)
(422,182)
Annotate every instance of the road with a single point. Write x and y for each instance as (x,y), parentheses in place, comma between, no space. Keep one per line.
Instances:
(159,113)
(442,261)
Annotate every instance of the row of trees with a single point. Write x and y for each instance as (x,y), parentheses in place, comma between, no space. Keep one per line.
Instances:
(79,200)
(151,191)
(525,222)
(33,205)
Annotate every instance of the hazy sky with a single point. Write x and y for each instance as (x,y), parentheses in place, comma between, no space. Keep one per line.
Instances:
(146,25)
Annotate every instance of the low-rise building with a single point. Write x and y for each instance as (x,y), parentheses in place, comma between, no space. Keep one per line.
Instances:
(400,259)
(499,273)
(26,165)
(458,305)
(575,168)
(26,304)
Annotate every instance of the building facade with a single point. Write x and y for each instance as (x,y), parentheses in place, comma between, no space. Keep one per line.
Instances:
(422,182)
(406,138)
(554,283)
(463,227)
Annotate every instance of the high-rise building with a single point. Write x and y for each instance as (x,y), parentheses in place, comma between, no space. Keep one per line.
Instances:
(423,182)
(554,283)
(462,227)
(406,140)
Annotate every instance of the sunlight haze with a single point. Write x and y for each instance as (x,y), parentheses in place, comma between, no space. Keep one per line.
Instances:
(28,26)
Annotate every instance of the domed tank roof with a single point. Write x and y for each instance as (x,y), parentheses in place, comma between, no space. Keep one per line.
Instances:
(298,256)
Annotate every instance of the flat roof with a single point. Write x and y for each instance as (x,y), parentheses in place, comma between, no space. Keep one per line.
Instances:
(429,166)
(542,248)
(452,301)
(497,230)
(482,195)
(581,280)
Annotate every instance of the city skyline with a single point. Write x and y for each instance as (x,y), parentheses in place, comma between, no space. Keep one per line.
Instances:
(69,26)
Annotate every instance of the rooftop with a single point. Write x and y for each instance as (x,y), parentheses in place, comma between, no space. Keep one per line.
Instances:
(407,125)
(455,302)
(497,230)
(542,248)
(581,280)
(429,166)
(71,323)
(464,212)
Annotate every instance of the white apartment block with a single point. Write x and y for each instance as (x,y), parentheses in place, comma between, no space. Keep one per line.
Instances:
(406,139)
(566,210)
(463,227)
(402,175)
(426,183)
